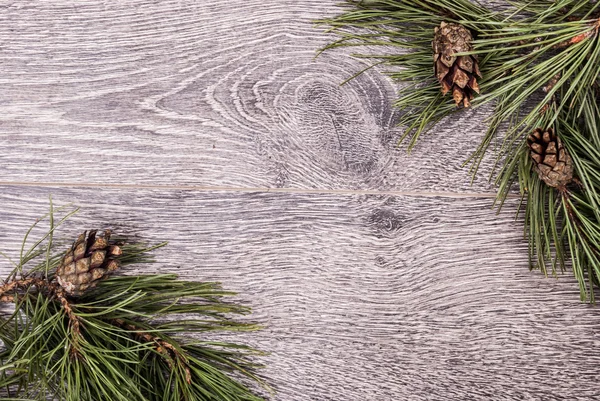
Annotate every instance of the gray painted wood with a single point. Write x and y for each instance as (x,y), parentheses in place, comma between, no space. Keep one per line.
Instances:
(205,93)
(364,297)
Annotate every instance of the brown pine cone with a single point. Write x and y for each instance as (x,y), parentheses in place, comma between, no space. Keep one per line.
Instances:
(456,74)
(550,158)
(89,260)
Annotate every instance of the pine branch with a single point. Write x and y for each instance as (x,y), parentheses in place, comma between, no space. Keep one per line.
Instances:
(77,334)
(539,62)
(405,29)
(164,348)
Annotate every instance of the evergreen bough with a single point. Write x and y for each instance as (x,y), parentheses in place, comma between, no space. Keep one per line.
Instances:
(540,68)
(128,338)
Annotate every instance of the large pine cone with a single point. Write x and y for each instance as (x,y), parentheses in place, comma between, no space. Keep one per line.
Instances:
(455,73)
(550,158)
(89,260)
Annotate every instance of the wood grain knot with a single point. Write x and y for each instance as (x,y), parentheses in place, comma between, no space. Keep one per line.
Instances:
(385,221)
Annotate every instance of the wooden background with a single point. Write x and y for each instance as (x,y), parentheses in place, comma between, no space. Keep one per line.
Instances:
(380,275)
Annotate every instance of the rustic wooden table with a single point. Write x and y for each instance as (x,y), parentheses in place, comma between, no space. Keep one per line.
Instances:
(380,275)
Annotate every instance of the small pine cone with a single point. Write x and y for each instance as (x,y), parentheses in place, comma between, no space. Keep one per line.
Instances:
(456,74)
(550,158)
(89,260)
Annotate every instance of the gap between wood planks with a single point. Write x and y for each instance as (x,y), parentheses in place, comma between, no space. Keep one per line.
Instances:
(255,189)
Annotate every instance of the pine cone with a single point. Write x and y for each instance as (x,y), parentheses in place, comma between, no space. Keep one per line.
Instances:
(550,158)
(455,73)
(88,261)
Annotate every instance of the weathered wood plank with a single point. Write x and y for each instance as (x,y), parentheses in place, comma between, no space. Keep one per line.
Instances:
(365,297)
(205,93)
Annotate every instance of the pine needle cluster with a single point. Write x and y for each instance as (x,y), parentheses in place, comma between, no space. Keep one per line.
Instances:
(132,337)
(540,62)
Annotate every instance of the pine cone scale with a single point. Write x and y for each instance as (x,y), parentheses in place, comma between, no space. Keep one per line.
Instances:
(79,251)
(69,268)
(464,63)
(459,77)
(99,243)
(82,265)
(115,250)
(441,71)
(112,265)
(98,273)
(97,259)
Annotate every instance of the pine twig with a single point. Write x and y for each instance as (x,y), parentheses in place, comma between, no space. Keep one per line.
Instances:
(552,83)
(581,37)
(74,320)
(163,347)
(52,290)
(72,331)
(15,285)
(7,298)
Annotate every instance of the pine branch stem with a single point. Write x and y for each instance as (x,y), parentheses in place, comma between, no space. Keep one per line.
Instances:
(582,36)
(15,285)
(164,348)
(9,292)
(552,83)
(74,320)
